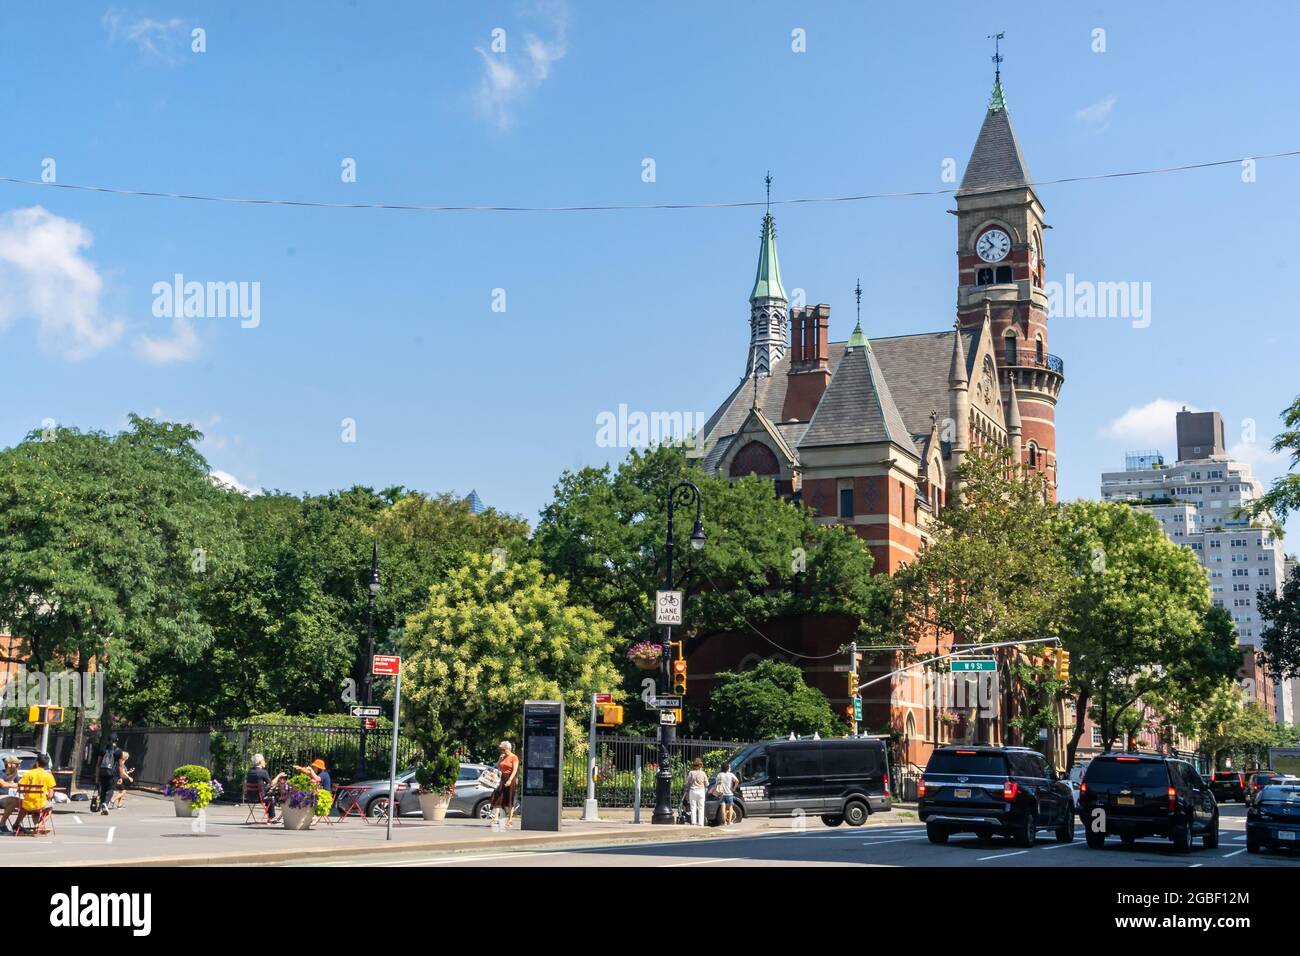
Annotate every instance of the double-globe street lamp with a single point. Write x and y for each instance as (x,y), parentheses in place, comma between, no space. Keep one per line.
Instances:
(683,493)
(368,678)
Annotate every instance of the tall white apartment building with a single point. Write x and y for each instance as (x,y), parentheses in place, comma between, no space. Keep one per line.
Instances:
(1199,503)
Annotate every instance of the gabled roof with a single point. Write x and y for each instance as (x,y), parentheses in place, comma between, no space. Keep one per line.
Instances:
(858,407)
(996,162)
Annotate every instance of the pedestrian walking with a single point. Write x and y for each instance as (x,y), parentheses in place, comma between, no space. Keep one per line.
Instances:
(507,792)
(724,785)
(107,771)
(697,787)
(123,778)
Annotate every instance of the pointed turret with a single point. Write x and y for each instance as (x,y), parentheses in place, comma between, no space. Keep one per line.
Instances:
(1014,429)
(768,307)
(957,374)
(767,281)
(996,162)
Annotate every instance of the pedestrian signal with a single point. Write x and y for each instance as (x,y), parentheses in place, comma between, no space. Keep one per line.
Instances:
(44,715)
(609,715)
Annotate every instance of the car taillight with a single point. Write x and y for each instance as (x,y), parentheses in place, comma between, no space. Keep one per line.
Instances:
(886,784)
(1083,787)
(1010,789)
(920,788)
(1173,799)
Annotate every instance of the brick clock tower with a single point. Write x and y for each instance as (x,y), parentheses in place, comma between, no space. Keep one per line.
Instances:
(1000,266)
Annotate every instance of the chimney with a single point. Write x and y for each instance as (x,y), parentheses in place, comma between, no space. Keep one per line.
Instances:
(809,371)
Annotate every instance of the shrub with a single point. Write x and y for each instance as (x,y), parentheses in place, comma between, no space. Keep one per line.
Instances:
(194,784)
(192,773)
(438,774)
(302,791)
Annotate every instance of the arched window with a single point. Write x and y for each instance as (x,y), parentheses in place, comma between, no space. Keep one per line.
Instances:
(983,276)
(1033,455)
(1003,275)
(1038,349)
(1010,345)
(754,459)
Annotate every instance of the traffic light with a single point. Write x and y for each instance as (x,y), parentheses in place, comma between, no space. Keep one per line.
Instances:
(677,715)
(1062,664)
(679,677)
(609,715)
(44,715)
(848,712)
(853,683)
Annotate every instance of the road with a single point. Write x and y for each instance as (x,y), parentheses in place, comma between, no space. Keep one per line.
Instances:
(903,844)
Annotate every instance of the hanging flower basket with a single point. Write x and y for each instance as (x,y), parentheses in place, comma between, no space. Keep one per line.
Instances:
(646,655)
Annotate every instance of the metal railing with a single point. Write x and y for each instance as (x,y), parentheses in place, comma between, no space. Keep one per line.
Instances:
(616,768)
(1030,358)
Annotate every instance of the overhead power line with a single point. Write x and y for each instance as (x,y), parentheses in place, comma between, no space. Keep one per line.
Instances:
(617,207)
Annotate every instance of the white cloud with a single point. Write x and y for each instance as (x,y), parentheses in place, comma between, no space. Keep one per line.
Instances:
(1098,114)
(181,346)
(225,479)
(45,276)
(508,78)
(1150,425)
(163,40)
(1260,456)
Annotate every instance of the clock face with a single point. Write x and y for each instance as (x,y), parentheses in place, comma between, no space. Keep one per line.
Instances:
(993,246)
(1033,254)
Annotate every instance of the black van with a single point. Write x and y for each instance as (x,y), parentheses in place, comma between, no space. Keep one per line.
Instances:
(837,779)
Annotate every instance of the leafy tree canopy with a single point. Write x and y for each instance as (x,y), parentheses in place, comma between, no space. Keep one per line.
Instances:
(770,700)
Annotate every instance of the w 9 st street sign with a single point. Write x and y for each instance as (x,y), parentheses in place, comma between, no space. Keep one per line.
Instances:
(970,666)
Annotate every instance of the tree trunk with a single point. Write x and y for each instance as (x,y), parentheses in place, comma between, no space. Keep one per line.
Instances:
(79,729)
(1080,715)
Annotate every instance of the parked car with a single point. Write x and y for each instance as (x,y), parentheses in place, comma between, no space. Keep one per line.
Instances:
(1075,780)
(26,757)
(470,799)
(1257,780)
(1136,795)
(840,779)
(1273,820)
(1228,785)
(986,790)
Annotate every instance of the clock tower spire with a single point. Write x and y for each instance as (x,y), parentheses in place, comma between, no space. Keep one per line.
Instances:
(1000,272)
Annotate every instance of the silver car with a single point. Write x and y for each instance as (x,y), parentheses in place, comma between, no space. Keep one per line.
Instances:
(470,799)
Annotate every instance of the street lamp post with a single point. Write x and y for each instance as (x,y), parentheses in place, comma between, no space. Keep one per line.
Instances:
(369,678)
(682,493)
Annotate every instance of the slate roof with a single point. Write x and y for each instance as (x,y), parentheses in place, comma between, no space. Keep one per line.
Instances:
(996,162)
(858,407)
(916,367)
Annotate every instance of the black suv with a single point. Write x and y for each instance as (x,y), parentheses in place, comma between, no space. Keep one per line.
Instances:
(987,790)
(1137,795)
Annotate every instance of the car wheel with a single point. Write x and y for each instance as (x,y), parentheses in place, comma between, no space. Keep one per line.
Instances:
(1023,833)
(831,820)
(1128,840)
(1252,847)
(1095,840)
(1210,839)
(1182,840)
(483,809)
(936,833)
(1065,832)
(377,808)
(856,813)
(984,833)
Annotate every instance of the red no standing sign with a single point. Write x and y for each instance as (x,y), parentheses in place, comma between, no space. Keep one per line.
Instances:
(386,665)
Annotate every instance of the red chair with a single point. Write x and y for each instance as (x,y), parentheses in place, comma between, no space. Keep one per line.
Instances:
(44,816)
(254,791)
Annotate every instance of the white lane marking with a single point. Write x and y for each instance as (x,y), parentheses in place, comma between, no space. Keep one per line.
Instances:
(999,856)
(1057,846)
(1234,853)
(111,831)
(1195,865)
(891,840)
(720,859)
(76,819)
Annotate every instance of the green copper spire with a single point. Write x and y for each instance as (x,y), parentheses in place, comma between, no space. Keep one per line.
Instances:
(767,283)
(997,103)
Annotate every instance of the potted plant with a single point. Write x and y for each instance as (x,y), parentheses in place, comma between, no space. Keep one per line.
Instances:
(646,655)
(304,800)
(437,780)
(192,788)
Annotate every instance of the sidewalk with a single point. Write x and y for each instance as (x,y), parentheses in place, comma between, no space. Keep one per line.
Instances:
(146,832)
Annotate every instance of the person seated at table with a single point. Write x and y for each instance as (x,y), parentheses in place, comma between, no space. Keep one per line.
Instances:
(319,775)
(41,781)
(258,777)
(9,800)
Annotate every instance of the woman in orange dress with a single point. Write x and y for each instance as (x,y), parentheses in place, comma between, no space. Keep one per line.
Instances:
(507,792)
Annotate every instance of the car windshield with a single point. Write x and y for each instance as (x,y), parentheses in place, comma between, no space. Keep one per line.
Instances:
(1225,776)
(972,763)
(1134,773)
(1286,794)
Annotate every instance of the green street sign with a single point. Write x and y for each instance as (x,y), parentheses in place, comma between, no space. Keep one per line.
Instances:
(967,666)
(857,708)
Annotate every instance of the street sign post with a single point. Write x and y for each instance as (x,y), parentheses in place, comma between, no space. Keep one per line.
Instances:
(668,608)
(388,665)
(361,710)
(970,665)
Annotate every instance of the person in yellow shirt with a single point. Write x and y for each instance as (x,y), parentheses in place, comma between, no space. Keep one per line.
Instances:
(34,802)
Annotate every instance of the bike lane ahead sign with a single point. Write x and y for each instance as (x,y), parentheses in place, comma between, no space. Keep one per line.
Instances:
(668,607)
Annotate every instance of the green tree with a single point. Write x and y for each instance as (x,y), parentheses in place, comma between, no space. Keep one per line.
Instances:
(1279,651)
(765,558)
(111,549)
(1283,497)
(992,573)
(771,700)
(491,637)
(1137,617)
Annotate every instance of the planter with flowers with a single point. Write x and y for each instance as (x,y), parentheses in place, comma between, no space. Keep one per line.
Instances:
(437,781)
(646,655)
(304,800)
(192,788)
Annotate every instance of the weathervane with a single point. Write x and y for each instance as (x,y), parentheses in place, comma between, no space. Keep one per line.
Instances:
(768,180)
(997,55)
(857,292)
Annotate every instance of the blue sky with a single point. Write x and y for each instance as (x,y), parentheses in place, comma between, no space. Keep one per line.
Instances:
(386,318)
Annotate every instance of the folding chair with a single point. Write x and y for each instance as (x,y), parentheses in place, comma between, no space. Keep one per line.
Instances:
(253,790)
(397,799)
(44,816)
(347,800)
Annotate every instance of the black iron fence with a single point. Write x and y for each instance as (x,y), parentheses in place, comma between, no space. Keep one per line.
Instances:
(616,762)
